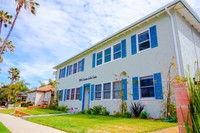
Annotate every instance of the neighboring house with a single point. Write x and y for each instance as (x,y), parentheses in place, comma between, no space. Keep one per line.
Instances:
(144,50)
(41,95)
(21,96)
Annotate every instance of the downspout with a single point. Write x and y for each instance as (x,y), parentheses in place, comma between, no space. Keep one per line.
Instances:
(175,41)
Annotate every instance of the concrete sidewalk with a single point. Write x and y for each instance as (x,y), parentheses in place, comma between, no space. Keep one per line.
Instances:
(18,125)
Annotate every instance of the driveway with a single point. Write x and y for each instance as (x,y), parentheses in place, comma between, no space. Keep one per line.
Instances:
(18,125)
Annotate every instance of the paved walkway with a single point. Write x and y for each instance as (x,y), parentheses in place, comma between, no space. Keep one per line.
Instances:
(18,125)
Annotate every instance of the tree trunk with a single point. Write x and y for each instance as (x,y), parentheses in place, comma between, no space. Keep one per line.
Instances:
(11,28)
(1,21)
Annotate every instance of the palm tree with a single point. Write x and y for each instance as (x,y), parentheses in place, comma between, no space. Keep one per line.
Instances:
(53,83)
(14,74)
(5,18)
(29,5)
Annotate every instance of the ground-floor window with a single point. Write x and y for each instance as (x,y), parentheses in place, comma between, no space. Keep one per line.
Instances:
(68,94)
(147,86)
(98,92)
(106,90)
(77,93)
(72,93)
(117,90)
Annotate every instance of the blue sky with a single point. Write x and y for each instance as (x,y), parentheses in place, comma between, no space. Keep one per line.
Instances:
(63,28)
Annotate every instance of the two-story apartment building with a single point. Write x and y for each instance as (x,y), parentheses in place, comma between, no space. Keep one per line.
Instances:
(144,51)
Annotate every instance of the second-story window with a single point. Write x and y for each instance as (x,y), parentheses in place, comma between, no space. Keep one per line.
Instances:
(107,55)
(70,69)
(79,66)
(99,58)
(117,51)
(75,68)
(143,41)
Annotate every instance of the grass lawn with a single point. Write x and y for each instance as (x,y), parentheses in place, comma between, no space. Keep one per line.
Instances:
(78,123)
(7,111)
(41,111)
(3,129)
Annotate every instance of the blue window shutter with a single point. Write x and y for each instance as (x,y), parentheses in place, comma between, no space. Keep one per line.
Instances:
(124,85)
(67,71)
(133,44)
(123,48)
(65,95)
(153,35)
(93,60)
(81,93)
(92,93)
(83,63)
(135,88)
(158,86)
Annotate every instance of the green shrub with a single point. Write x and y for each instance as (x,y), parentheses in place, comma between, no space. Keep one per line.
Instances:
(27,104)
(127,115)
(89,111)
(82,112)
(105,112)
(144,115)
(136,109)
(97,110)
(63,108)
(118,114)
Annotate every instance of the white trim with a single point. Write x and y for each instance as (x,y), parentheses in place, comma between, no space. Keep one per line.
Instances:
(137,41)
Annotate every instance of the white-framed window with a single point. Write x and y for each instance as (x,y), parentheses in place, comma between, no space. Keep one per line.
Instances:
(72,93)
(68,94)
(117,51)
(106,90)
(147,86)
(117,90)
(79,66)
(77,93)
(107,55)
(74,68)
(98,92)
(70,69)
(143,41)
(99,58)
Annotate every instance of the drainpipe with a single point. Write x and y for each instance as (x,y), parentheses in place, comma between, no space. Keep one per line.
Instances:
(175,41)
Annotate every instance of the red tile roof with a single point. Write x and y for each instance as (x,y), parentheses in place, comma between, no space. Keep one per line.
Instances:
(43,89)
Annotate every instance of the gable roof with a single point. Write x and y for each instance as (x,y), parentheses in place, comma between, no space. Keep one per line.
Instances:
(43,89)
(180,6)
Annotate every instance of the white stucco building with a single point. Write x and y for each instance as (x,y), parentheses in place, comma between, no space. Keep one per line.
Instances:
(144,50)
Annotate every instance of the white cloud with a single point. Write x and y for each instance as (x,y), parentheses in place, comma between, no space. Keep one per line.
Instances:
(63,28)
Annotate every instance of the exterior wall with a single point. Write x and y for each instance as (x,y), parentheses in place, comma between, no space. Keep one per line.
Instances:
(189,40)
(144,63)
(47,96)
(39,98)
(31,97)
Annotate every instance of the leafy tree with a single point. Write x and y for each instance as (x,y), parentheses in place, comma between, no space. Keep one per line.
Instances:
(14,74)
(5,19)
(29,5)
(51,82)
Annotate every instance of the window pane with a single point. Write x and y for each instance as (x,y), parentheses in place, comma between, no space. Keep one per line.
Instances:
(108,58)
(146,82)
(72,94)
(106,90)
(147,92)
(108,51)
(79,66)
(98,87)
(144,45)
(99,55)
(99,62)
(75,68)
(116,94)
(117,55)
(143,37)
(117,48)
(77,93)
(117,86)
(68,94)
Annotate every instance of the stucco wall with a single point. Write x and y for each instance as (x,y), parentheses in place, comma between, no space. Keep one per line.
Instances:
(39,98)
(31,97)
(144,63)
(189,40)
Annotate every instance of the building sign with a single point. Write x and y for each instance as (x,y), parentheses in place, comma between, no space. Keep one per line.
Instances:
(88,78)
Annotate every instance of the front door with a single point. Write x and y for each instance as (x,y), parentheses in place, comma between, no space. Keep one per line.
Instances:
(86,97)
